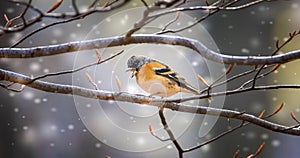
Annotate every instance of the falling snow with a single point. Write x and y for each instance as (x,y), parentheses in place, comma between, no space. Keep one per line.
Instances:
(295,6)
(275,143)
(37,101)
(44,99)
(205,148)
(245,50)
(12,94)
(16,110)
(264,136)
(28,95)
(56,128)
(169,146)
(98,145)
(71,127)
(10,10)
(52,144)
(25,128)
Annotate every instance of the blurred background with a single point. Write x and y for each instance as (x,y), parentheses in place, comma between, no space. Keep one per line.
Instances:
(38,124)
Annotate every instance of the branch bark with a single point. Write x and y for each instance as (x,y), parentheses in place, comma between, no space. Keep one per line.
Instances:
(156,39)
(140,99)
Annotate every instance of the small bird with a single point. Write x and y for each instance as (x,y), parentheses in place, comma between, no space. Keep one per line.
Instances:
(157,78)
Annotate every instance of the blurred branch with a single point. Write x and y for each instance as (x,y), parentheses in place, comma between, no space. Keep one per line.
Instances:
(162,7)
(278,48)
(158,5)
(209,7)
(74,5)
(212,9)
(216,137)
(66,16)
(77,69)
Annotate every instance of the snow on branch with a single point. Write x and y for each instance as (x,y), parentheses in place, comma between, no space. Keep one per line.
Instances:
(157,39)
(141,99)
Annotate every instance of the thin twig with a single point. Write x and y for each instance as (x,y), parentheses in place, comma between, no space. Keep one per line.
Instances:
(211,8)
(216,137)
(47,26)
(278,48)
(75,70)
(21,16)
(210,13)
(66,15)
(171,21)
(75,7)
(170,133)
(157,137)
(145,4)
(215,83)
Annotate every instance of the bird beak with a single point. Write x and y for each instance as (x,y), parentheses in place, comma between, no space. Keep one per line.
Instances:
(133,71)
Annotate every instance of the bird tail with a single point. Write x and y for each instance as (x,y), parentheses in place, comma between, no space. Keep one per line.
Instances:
(189,89)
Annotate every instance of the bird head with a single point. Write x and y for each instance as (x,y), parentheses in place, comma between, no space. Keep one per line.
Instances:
(134,63)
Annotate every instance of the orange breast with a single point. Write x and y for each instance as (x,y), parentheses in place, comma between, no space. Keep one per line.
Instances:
(155,84)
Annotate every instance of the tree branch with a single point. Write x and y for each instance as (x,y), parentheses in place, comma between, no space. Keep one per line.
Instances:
(158,39)
(66,15)
(140,99)
(170,133)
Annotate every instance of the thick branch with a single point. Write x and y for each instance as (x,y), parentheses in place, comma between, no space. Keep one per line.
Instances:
(140,99)
(157,39)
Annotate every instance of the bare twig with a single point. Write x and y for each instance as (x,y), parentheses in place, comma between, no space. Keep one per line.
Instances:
(170,133)
(278,48)
(145,4)
(21,16)
(216,137)
(118,82)
(172,21)
(75,7)
(129,38)
(77,16)
(55,6)
(157,137)
(93,3)
(67,15)
(258,151)
(75,70)
(91,81)
(242,124)
(47,26)
(212,7)
(210,13)
(295,118)
(260,76)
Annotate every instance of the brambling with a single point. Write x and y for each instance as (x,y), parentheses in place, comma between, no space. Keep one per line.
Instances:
(157,78)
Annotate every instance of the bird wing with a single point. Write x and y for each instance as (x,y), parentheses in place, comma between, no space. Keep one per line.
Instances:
(173,76)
